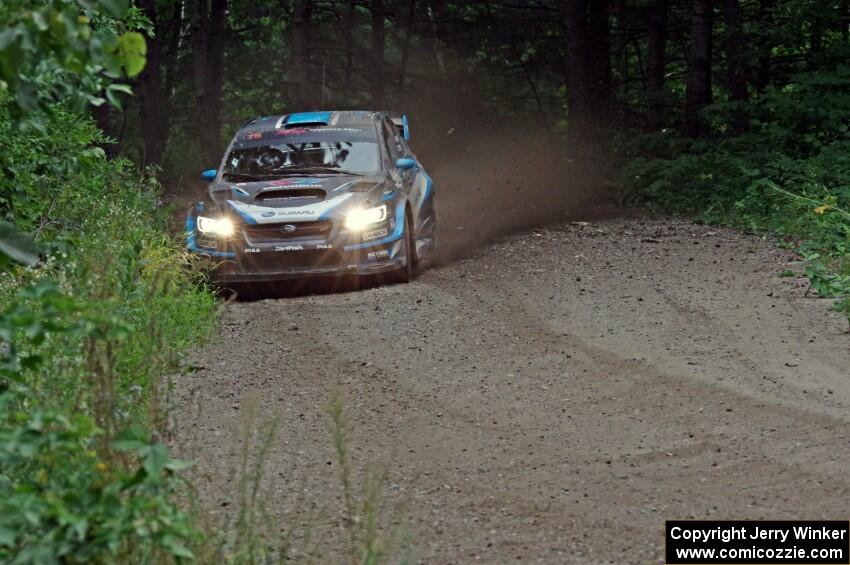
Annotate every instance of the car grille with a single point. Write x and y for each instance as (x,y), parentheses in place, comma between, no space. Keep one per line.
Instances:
(284,261)
(286,231)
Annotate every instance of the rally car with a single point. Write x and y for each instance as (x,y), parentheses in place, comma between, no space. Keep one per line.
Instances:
(316,193)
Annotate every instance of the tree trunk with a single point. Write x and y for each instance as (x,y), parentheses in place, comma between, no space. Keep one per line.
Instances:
(302,16)
(816,34)
(657,59)
(200,30)
(349,45)
(107,119)
(215,77)
(376,73)
(209,23)
(155,84)
(434,7)
(150,91)
(698,82)
(578,92)
(169,32)
(405,47)
(599,60)
(735,77)
(764,60)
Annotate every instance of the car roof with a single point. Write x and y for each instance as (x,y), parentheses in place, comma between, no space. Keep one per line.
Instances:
(346,118)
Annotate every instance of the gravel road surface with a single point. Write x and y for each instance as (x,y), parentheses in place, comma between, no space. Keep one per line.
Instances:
(552,397)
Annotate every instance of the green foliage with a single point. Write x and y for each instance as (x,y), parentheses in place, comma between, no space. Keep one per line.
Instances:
(33,163)
(51,51)
(827,283)
(88,332)
(789,174)
(62,501)
(85,337)
(131,51)
(105,243)
(65,496)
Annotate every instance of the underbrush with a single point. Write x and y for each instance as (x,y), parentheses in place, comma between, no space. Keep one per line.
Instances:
(86,338)
(788,174)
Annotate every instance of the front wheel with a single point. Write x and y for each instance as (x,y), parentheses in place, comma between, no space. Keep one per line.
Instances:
(406,273)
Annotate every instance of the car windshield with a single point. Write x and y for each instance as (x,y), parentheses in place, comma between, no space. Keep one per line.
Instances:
(357,157)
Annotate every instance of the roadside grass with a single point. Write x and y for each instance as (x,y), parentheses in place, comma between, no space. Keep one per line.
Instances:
(251,534)
(363,512)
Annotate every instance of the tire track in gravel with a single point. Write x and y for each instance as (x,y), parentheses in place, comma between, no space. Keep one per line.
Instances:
(537,401)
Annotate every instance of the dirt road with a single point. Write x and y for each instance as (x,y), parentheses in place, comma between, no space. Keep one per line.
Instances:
(552,398)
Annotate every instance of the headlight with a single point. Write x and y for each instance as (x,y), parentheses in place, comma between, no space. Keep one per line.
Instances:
(359,218)
(221,227)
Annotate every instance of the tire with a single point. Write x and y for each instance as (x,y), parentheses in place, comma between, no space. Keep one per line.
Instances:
(406,273)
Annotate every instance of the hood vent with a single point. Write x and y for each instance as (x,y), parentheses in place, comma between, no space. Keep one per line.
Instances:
(289,194)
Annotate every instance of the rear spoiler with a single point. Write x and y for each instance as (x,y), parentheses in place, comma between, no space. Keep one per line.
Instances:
(400,122)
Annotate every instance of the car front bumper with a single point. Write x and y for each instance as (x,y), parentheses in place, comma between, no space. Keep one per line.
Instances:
(332,254)
(273,266)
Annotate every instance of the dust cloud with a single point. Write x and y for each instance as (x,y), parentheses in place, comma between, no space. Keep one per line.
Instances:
(495,175)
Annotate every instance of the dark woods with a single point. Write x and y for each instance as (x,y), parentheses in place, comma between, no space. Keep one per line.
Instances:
(588,66)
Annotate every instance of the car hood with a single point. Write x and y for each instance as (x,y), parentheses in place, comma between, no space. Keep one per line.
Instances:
(297,198)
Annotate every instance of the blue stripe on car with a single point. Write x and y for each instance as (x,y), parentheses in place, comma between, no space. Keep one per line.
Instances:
(427,187)
(213,253)
(190,231)
(396,235)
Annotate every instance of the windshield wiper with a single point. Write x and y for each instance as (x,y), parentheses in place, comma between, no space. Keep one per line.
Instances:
(252,177)
(245,176)
(328,170)
(289,172)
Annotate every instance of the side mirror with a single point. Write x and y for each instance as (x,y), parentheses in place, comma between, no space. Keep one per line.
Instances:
(405,164)
(209,174)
